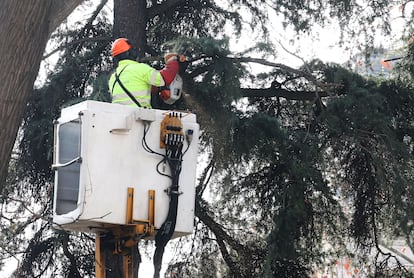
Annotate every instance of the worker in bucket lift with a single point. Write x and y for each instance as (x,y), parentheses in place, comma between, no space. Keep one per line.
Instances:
(132,82)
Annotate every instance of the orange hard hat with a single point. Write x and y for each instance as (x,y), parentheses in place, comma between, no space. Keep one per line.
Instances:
(119,46)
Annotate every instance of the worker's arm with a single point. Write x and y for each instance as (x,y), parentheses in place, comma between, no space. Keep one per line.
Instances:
(170,69)
(168,74)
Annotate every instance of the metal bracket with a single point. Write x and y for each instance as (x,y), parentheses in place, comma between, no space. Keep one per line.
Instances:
(127,236)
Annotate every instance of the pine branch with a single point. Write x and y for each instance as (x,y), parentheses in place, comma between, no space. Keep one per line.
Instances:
(200,70)
(325,89)
(271,64)
(87,25)
(73,269)
(323,86)
(61,10)
(223,239)
(166,6)
(279,92)
(75,42)
(36,247)
(159,9)
(227,258)
(203,214)
(205,178)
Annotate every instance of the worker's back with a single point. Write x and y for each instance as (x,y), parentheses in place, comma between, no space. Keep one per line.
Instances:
(137,79)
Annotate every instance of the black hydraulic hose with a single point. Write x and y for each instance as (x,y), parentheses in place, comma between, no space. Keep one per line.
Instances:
(166,230)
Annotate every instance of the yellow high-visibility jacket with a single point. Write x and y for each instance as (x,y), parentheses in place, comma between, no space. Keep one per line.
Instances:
(137,79)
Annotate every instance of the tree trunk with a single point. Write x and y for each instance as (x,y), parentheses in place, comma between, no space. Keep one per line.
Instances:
(24,31)
(130,21)
(114,267)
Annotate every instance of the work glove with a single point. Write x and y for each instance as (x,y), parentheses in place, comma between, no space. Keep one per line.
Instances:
(170,57)
(165,94)
(174,56)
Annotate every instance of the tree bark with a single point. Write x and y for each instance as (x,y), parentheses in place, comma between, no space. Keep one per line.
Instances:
(130,21)
(24,31)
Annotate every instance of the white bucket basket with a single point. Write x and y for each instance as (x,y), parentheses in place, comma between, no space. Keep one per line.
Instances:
(99,154)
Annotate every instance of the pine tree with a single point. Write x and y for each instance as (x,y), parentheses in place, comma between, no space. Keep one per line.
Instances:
(285,157)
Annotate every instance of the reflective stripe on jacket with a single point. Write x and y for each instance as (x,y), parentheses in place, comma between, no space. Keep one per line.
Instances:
(137,79)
